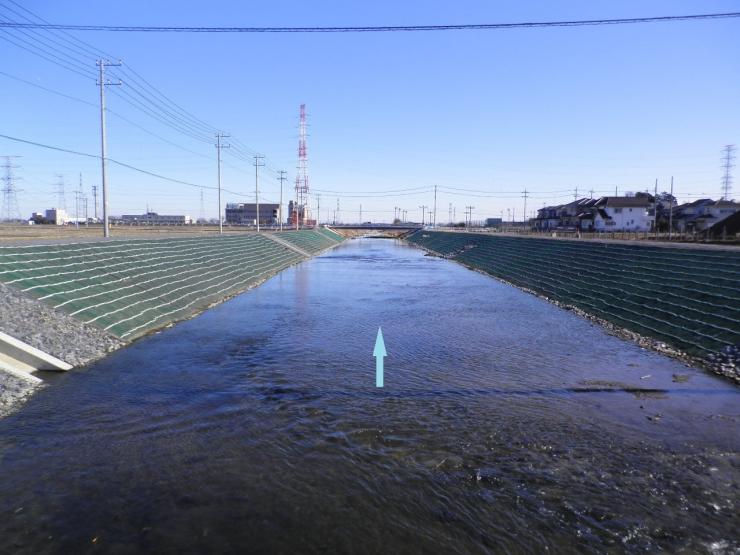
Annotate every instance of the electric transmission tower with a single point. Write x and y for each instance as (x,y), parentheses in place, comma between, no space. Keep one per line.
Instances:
(10,193)
(202,212)
(301,179)
(728,162)
(61,196)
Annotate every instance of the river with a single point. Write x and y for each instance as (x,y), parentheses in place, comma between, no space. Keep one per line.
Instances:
(506,424)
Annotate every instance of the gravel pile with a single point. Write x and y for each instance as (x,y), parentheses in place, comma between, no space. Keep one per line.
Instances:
(13,392)
(52,331)
(726,362)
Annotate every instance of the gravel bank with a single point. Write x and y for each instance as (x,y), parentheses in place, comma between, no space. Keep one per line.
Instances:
(52,331)
(13,392)
(49,330)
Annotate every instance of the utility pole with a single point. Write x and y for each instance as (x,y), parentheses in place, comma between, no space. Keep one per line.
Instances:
(575,194)
(655,209)
(423,209)
(728,159)
(78,198)
(295,206)
(338,216)
(10,193)
(219,146)
(318,210)
(257,163)
(360,214)
(449,214)
(591,194)
(280,211)
(525,194)
(95,201)
(670,213)
(434,223)
(102,83)
(469,212)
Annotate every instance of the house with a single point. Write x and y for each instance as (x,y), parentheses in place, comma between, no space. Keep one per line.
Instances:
(563,215)
(702,214)
(624,213)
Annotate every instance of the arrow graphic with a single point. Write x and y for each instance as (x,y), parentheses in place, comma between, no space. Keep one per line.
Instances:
(379,354)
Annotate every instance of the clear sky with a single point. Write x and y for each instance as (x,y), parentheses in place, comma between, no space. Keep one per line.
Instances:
(548,110)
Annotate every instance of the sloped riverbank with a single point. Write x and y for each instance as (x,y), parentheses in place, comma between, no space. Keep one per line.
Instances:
(78,302)
(682,302)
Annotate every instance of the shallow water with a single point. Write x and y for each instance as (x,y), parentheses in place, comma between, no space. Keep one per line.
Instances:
(505,424)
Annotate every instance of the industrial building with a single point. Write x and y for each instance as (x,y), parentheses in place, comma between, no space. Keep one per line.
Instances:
(152,218)
(245,213)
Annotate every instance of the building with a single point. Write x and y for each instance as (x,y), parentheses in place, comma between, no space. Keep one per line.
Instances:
(563,216)
(152,218)
(624,213)
(57,216)
(702,214)
(245,213)
(494,222)
(635,213)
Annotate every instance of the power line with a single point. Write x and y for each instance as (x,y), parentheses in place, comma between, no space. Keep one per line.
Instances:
(69,52)
(118,163)
(372,29)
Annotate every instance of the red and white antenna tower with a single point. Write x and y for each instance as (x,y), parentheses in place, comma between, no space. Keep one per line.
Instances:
(301,180)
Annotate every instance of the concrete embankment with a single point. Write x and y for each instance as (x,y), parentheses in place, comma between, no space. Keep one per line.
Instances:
(79,301)
(683,302)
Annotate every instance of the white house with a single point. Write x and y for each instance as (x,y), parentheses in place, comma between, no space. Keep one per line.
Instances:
(624,214)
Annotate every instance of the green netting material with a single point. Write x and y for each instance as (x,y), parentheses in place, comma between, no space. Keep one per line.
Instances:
(132,287)
(689,298)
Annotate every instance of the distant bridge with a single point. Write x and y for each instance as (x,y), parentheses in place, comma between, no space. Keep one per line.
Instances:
(379,227)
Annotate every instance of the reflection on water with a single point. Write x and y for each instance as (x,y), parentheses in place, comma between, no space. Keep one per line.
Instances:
(505,424)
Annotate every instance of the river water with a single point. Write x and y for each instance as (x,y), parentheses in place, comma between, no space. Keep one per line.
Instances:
(505,425)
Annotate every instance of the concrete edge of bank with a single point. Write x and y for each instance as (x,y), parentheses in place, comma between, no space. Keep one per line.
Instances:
(643,341)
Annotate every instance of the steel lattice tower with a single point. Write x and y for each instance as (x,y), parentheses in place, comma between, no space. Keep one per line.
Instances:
(301,180)
(10,209)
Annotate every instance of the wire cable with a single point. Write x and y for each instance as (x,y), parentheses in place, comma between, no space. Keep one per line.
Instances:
(374,29)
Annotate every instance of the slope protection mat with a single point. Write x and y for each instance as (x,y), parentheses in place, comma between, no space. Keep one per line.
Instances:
(312,241)
(689,298)
(132,287)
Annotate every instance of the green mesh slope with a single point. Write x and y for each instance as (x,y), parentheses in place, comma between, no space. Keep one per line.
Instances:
(132,287)
(689,298)
(308,240)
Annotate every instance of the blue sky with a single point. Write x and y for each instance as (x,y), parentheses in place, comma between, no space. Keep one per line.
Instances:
(548,110)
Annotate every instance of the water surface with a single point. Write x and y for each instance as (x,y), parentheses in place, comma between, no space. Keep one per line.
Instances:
(505,424)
